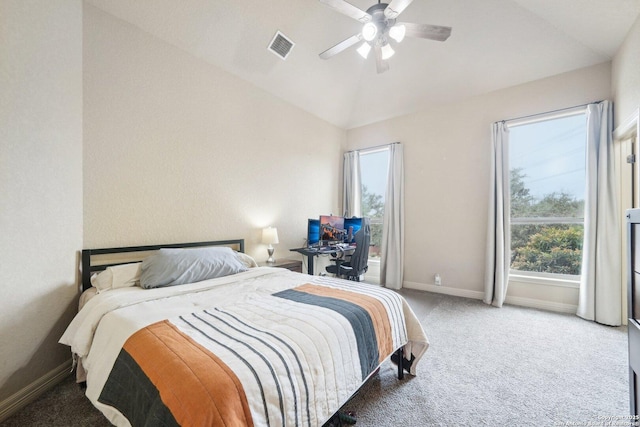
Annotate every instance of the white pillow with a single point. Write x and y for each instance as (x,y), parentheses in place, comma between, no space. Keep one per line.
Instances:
(102,281)
(247,260)
(118,276)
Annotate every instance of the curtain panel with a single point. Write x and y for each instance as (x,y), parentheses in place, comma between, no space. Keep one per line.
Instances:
(392,257)
(352,185)
(600,297)
(498,231)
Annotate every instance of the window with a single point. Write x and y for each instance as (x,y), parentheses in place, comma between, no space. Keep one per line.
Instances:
(374,165)
(547,183)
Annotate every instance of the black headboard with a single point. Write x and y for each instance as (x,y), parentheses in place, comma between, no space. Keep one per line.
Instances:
(115,256)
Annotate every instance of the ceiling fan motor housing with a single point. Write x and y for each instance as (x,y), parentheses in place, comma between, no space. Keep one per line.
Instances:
(381,22)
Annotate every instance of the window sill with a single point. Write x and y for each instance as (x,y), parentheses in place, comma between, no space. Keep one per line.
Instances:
(545,281)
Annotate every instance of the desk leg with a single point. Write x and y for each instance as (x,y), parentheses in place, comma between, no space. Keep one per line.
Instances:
(310,264)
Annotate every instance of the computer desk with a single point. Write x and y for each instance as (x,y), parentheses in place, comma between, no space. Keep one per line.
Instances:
(313,252)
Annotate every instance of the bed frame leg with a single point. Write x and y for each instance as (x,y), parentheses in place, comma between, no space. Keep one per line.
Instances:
(400,355)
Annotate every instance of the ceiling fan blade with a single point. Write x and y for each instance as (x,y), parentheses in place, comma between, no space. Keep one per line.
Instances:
(396,7)
(344,44)
(348,9)
(426,31)
(381,64)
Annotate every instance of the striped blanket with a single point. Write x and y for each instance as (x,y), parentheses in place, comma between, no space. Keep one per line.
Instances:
(287,358)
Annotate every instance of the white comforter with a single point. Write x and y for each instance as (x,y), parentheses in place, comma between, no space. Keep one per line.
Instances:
(99,331)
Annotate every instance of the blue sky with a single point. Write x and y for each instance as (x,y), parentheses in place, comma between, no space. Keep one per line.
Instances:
(551,154)
(373,169)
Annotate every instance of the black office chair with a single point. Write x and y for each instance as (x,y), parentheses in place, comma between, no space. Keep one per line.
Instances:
(357,264)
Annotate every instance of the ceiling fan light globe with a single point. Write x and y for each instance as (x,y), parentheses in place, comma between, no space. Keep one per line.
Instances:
(364,50)
(369,31)
(397,32)
(387,51)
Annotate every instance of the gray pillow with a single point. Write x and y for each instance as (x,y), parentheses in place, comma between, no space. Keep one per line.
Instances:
(169,267)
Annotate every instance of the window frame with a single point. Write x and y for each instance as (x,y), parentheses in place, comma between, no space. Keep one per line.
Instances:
(542,278)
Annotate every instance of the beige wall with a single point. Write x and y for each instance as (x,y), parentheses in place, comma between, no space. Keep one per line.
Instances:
(447,167)
(179,150)
(626,76)
(40,184)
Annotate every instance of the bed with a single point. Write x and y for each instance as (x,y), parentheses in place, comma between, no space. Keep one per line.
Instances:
(248,345)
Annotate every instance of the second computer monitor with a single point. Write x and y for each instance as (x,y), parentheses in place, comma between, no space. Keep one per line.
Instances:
(352,225)
(332,228)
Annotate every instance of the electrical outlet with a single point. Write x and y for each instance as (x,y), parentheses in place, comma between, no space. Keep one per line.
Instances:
(438,280)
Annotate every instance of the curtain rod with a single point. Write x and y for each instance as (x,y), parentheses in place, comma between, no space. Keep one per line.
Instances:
(531,116)
(372,148)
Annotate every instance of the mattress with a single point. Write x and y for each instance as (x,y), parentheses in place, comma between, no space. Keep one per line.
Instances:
(263,347)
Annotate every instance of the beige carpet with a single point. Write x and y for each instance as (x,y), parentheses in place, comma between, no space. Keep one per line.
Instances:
(486,367)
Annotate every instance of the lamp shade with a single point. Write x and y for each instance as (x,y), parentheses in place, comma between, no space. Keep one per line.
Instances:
(270,236)
(387,51)
(369,31)
(397,32)
(364,50)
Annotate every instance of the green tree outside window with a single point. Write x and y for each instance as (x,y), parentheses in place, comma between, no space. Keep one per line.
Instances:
(547,247)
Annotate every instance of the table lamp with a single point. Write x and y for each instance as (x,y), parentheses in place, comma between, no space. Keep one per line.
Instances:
(270,237)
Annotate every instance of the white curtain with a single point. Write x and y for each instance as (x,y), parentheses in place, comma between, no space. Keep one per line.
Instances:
(352,185)
(392,257)
(600,296)
(498,233)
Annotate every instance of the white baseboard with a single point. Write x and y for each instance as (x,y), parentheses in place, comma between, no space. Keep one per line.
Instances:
(466,293)
(32,391)
(541,304)
(447,290)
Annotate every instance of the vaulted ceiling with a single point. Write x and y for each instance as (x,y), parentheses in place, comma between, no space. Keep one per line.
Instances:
(494,44)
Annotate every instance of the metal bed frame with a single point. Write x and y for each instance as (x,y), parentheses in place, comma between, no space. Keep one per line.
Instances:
(91,263)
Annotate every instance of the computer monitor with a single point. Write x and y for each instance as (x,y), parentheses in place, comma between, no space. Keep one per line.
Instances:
(352,225)
(313,232)
(332,228)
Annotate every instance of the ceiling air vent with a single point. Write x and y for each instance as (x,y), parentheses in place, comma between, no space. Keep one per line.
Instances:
(281,45)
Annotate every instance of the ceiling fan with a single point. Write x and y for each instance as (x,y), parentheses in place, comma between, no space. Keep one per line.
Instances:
(379,26)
